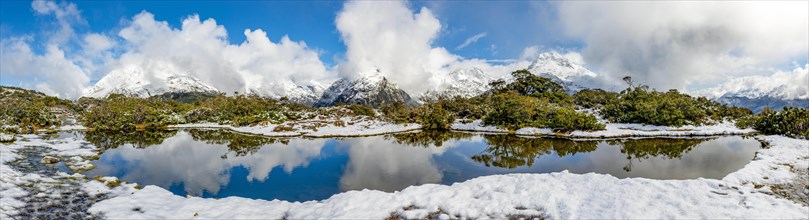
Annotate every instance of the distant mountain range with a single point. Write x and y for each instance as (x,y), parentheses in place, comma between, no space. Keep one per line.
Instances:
(374,89)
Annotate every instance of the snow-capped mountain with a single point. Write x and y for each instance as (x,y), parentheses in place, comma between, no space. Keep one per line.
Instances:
(134,81)
(370,89)
(783,88)
(569,73)
(466,82)
(306,93)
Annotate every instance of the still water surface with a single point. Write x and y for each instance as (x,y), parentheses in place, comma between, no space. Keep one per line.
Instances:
(214,163)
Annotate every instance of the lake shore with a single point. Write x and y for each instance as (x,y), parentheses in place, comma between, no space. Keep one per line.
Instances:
(746,193)
(750,192)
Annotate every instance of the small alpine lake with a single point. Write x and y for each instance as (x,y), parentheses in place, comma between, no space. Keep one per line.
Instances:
(218,163)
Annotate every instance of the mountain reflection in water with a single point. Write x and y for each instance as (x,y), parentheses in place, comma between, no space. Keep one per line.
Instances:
(216,163)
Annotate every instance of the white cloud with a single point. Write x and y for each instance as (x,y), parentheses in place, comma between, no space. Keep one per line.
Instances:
(471,40)
(66,14)
(676,44)
(389,36)
(782,84)
(52,72)
(96,42)
(201,49)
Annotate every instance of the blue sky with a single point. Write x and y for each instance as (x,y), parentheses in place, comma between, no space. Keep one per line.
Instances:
(63,47)
(313,22)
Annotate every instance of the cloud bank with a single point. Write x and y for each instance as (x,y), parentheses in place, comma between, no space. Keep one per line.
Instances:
(390,37)
(200,48)
(675,44)
(782,84)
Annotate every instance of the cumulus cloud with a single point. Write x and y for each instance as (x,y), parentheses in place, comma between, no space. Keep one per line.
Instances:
(674,44)
(781,84)
(390,37)
(471,40)
(198,48)
(52,72)
(66,14)
(201,49)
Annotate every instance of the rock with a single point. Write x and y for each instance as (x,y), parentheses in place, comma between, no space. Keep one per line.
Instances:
(49,160)
(6,138)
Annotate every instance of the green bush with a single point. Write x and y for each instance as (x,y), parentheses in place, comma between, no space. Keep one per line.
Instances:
(528,84)
(30,110)
(365,110)
(127,114)
(790,121)
(513,111)
(434,117)
(565,119)
(595,98)
(398,113)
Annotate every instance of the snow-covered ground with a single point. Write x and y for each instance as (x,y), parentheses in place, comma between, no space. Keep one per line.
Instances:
(554,195)
(742,194)
(52,190)
(348,127)
(616,130)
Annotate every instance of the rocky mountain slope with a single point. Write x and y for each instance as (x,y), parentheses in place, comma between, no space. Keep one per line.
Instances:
(370,89)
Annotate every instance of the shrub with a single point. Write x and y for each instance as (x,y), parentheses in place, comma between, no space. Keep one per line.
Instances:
(397,113)
(126,114)
(511,110)
(657,108)
(357,109)
(595,98)
(30,110)
(790,121)
(467,108)
(566,119)
(434,117)
(528,84)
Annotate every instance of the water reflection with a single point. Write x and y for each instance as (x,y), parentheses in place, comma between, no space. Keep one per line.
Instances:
(510,151)
(375,164)
(214,163)
(138,139)
(201,163)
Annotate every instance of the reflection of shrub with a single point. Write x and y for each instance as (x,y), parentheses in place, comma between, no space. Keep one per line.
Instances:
(139,139)
(510,151)
(670,148)
(428,138)
(240,144)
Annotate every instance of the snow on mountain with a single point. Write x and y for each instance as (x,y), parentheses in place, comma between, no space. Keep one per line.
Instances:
(369,88)
(134,81)
(567,71)
(465,82)
(757,92)
(785,85)
(307,93)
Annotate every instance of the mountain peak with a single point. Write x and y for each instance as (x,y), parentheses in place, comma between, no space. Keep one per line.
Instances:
(372,89)
(134,81)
